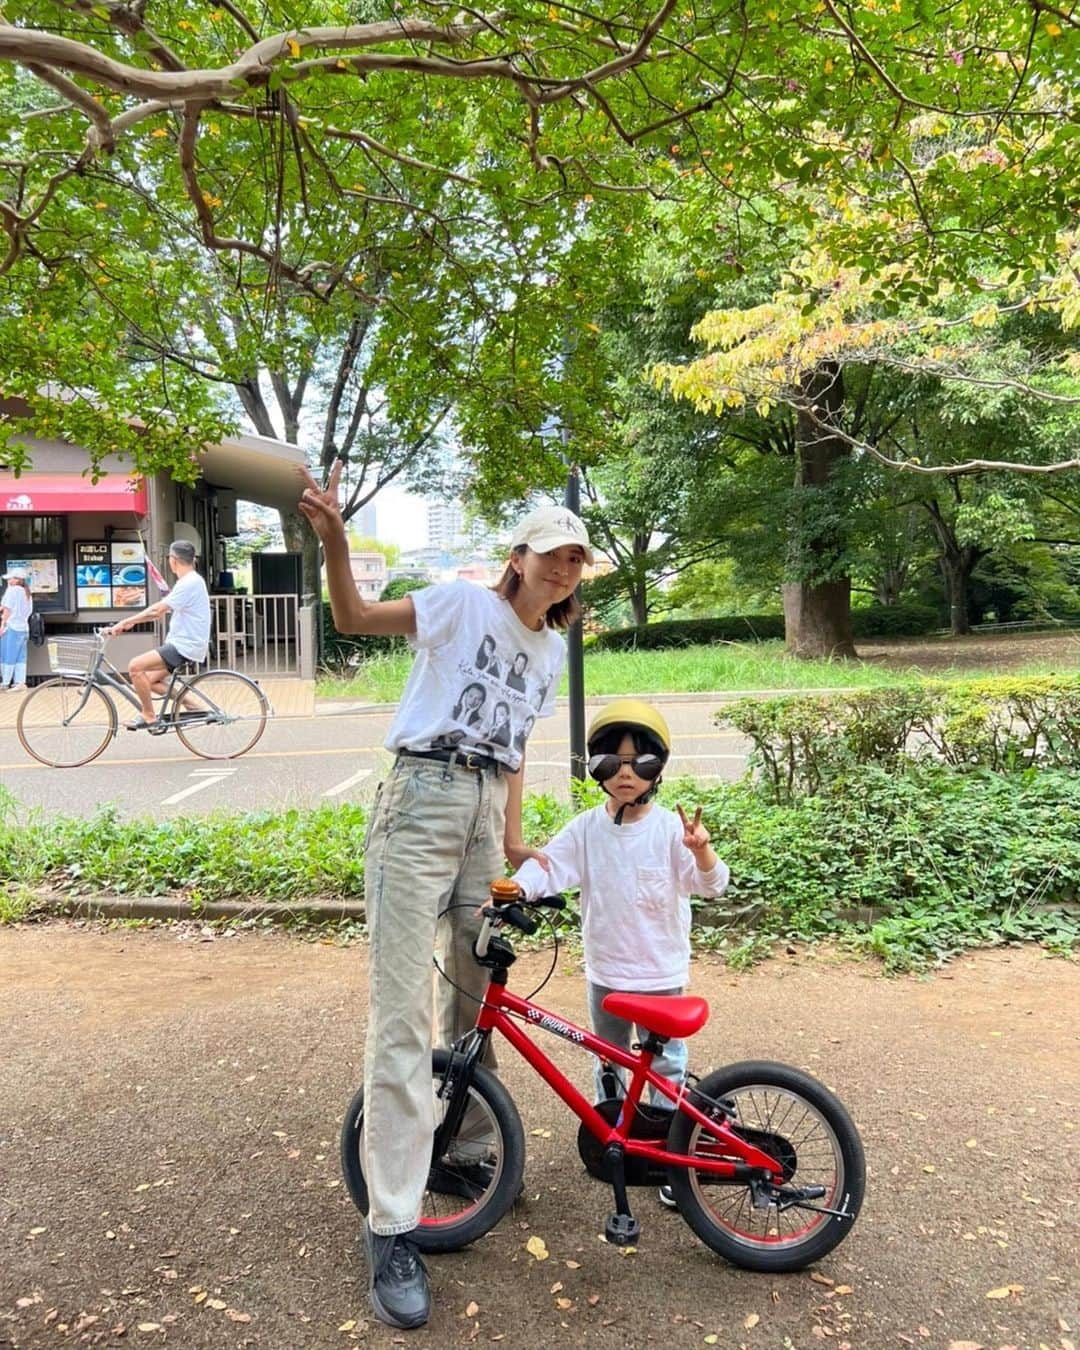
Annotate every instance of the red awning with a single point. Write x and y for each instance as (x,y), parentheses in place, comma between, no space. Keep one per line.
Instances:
(50,494)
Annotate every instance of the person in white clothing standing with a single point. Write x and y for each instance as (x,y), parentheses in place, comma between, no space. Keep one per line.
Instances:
(188,639)
(444,818)
(636,864)
(16,606)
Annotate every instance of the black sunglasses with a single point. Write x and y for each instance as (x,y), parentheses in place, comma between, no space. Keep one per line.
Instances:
(603,767)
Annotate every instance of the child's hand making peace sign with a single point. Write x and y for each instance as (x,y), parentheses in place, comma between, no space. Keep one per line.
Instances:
(695,835)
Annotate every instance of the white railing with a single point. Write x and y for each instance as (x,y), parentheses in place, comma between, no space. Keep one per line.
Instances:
(263,635)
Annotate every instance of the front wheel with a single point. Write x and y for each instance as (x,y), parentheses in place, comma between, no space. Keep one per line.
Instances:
(220,714)
(66,722)
(796,1120)
(463,1198)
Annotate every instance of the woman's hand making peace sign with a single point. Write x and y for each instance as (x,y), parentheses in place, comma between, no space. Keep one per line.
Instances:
(695,835)
(321,506)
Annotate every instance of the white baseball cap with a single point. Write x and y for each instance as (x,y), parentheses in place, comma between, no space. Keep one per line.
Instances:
(550,527)
(16,574)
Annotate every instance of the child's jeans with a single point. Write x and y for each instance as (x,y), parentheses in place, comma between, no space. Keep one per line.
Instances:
(435,839)
(671,1064)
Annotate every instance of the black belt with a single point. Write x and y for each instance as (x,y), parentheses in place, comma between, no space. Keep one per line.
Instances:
(466,759)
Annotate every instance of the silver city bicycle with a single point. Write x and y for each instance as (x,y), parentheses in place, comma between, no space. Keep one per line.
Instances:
(70,719)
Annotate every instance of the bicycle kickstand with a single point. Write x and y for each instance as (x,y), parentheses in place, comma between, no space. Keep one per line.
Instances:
(621,1228)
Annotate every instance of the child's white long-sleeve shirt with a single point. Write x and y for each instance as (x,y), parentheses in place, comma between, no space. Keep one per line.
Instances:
(636,881)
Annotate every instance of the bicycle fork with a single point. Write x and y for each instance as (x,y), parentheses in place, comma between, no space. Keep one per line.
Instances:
(465,1054)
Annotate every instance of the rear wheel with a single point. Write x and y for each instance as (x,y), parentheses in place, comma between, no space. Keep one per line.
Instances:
(65,722)
(462,1199)
(223,714)
(797,1121)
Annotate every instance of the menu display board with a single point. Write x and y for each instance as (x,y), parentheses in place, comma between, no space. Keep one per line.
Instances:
(43,574)
(110,576)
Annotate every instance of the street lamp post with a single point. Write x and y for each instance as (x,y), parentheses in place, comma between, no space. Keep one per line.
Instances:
(575,658)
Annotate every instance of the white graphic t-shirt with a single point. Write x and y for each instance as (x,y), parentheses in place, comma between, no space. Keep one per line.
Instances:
(481,678)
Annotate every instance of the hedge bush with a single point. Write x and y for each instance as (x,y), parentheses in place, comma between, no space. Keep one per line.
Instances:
(341,650)
(910,620)
(909,869)
(803,744)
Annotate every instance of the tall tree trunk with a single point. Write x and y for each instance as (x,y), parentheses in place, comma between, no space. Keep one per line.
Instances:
(817,613)
(301,538)
(957,561)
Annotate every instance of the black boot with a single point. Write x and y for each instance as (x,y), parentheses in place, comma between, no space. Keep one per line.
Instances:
(399,1283)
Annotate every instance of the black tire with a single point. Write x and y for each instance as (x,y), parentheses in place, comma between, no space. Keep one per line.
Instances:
(820,1147)
(449,1222)
(42,713)
(240,704)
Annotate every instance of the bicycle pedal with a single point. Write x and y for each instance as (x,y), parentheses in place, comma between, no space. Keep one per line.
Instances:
(622,1230)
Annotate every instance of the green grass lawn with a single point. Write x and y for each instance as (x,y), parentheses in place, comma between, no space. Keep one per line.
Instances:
(721,667)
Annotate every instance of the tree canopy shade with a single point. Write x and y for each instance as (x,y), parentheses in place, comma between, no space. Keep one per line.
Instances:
(476,177)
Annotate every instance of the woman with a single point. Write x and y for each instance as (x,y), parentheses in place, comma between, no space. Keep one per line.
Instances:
(467,708)
(441,824)
(16,606)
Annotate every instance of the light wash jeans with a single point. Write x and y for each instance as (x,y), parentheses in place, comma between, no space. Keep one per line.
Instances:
(435,839)
(671,1064)
(13,657)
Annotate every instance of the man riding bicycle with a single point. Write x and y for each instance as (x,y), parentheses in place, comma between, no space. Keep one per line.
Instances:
(188,638)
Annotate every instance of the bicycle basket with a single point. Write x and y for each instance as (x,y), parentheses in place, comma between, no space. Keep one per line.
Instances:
(71,654)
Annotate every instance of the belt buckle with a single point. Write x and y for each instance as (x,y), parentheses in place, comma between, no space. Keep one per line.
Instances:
(470,761)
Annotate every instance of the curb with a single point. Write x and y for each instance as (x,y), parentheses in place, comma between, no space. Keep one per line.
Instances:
(337,708)
(147,907)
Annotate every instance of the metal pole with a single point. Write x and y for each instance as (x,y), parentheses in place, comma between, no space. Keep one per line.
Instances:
(575,660)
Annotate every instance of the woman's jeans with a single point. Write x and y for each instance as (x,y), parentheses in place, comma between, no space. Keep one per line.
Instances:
(671,1064)
(13,657)
(435,839)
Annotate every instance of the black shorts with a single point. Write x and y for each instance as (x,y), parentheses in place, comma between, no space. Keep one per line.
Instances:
(172,658)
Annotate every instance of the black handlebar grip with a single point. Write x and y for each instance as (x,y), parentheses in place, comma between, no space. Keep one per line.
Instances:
(515,915)
(551,901)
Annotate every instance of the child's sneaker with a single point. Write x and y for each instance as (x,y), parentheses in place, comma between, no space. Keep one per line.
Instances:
(667,1197)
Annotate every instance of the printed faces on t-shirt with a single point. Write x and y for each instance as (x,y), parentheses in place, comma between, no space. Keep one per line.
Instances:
(498,699)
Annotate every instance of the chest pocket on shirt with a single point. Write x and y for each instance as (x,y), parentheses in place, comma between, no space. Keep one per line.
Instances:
(653,888)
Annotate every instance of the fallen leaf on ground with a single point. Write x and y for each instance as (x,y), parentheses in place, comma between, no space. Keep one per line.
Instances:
(965,1345)
(472,1309)
(818,1278)
(573,1265)
(218,1304)
(751,1320)
(350,1325)
(536,1246)
(564,1303)
(235,1316)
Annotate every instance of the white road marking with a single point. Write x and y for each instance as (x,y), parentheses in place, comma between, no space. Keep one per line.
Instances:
(347,783)
(207,779)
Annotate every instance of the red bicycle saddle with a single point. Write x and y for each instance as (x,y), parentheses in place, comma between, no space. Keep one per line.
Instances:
(666,1016)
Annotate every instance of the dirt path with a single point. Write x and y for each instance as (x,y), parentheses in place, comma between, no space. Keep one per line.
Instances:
(999,652)
(168,1139)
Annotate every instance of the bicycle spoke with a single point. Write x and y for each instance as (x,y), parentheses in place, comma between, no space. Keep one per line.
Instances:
(220,714)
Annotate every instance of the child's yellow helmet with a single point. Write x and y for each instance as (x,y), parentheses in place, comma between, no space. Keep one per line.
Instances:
(633,713)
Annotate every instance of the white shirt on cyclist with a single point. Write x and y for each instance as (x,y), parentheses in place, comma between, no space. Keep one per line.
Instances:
(189,624)
(636,880)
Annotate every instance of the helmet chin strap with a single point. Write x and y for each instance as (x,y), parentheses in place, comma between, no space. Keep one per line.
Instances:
(646,796)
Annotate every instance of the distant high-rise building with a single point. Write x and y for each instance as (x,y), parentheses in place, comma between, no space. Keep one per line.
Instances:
(444,523)
(364,522)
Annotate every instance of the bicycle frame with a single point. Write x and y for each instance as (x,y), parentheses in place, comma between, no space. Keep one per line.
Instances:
(102,674)
(497,1013)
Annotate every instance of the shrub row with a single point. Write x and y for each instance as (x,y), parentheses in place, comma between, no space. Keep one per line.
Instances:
(909,869)
(910,620)
(804,744)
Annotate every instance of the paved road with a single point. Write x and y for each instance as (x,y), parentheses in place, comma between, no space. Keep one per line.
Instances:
(305,761)
(169,1112)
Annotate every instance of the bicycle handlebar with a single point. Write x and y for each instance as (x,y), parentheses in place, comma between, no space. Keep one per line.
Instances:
(506,901)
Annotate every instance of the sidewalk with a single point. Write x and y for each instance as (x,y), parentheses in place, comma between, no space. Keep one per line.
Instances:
(288,698)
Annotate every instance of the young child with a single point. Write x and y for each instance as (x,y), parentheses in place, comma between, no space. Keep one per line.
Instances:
(636,864)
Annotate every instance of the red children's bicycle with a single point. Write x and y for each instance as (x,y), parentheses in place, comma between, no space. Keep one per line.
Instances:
(764,1162)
